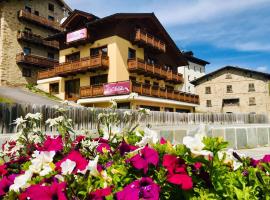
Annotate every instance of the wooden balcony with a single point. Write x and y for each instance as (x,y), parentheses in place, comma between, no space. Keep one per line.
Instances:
(23,14)
(144,90)
(99,62)
(141,67)
(36,39)
(148,40)
(35,60)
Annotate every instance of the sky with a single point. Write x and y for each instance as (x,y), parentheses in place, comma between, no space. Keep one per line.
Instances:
(223,32)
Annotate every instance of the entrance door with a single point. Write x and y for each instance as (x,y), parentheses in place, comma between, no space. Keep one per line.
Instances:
(72,89)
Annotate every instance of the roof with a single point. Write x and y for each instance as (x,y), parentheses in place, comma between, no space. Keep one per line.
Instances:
(190,57)
(198,80)
(140,15)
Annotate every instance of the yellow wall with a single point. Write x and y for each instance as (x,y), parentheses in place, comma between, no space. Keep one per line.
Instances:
(117,52)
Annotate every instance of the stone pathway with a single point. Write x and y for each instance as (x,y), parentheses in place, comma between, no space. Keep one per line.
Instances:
(256,153)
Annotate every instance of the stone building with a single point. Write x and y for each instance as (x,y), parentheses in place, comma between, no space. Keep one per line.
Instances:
(115,56)
(234,90)
(23,27)
(195,69)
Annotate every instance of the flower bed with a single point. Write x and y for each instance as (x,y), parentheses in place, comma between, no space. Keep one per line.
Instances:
(130,163)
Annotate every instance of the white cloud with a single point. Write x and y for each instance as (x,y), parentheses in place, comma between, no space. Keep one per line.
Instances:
(253,46)
(262,69)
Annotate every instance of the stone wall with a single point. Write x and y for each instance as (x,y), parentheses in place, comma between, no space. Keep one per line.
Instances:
(10,72)
(240,89)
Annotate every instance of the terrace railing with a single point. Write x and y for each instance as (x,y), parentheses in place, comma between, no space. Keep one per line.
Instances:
(35,60)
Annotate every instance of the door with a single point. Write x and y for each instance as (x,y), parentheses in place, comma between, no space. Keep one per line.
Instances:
(72,89)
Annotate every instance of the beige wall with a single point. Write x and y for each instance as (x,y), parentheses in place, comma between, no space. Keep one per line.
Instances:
(240,86)
(10,72)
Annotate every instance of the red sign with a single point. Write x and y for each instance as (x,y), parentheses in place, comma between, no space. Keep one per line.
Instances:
(77,35)
(117,88)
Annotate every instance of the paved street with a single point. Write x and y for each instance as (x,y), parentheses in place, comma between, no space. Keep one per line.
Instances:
(256,153)
(20,95)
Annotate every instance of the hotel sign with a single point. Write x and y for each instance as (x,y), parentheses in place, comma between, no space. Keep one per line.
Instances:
(77,35)
(117,88)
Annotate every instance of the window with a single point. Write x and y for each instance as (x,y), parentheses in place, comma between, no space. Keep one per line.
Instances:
(51,18)
(207,90)
(99,51)
(73,57)
(26,72)
(228,76)
(188,67)
(100,79)
(169,88)
(152,61)
(131,53)
(132,78)
(26,50)
(251,87)
(155,84)
(230,102)
(200,70)
(51,7)
(28,9)
(36,13)
(54,88)
(252,101)
(195,78)
(189,89)
(147,82)
(208,103)
(51,55)
(123,105)
(229,89)
(188,77)
(27,30)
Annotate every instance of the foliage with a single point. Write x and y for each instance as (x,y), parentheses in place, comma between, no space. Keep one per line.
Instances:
(122,163)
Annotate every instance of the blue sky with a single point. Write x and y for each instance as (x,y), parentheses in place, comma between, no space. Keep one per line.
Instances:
(223,32)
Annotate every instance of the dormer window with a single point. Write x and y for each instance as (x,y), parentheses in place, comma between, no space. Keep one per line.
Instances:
(228,76)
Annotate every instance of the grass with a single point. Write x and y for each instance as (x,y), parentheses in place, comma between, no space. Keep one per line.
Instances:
(5,100)
(35,90)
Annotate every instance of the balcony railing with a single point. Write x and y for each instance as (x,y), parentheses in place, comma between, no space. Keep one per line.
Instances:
(23,14)
(99,62)
(149,40)
(144,90)
(35,60)
(140,66)
(37,39)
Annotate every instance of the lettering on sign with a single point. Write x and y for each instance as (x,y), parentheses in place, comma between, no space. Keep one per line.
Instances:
(77,35)
(117,88)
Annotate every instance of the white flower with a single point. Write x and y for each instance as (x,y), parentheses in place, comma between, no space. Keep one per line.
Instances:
(59,177)
(41,160)
(92,167)
(67,166)
(150,137)
(55,121)
(114,104)
(115,130)
(144,111)
(133,95)
(36,116)
(21,181)
(230,159)
(127,113)
(196,145)
(46,170)
(89,144)
(19,121)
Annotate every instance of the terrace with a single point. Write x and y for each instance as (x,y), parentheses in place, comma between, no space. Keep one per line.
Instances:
(35,60)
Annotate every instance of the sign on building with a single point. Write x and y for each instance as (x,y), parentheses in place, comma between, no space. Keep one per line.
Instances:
(77,35)
(117,88)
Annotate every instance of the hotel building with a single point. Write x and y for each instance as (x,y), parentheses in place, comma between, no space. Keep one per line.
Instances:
(234,90)
(195,69)
(109,58)
(23,27)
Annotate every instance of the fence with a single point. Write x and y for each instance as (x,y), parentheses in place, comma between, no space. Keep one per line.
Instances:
(86,118)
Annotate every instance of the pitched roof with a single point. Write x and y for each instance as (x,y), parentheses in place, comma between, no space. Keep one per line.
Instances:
(198,80)
(190,57)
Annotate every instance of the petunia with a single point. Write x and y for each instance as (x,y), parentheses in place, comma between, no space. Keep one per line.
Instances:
(39,192)
(3,170)
(163,141)
(125,148)
(21,181)
(102,147)
(150,137)
(67,166)
(92,167)
(266,159)
(145,188)
(100,194)
(76,157)
(53,144)
(5,183)
(177,173)
(146,157)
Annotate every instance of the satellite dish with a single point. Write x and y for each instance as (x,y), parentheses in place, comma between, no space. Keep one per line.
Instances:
(62,20)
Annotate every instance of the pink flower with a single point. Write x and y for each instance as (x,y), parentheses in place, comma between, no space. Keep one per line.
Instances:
(5,183)
(266,159)
(99,194)
(197,165)
(145,188)
(163,141)
(52,144)
(77,157)
(125,147)
(177,173)
(39,192)
(103,146)
(146,157)
(3,170)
